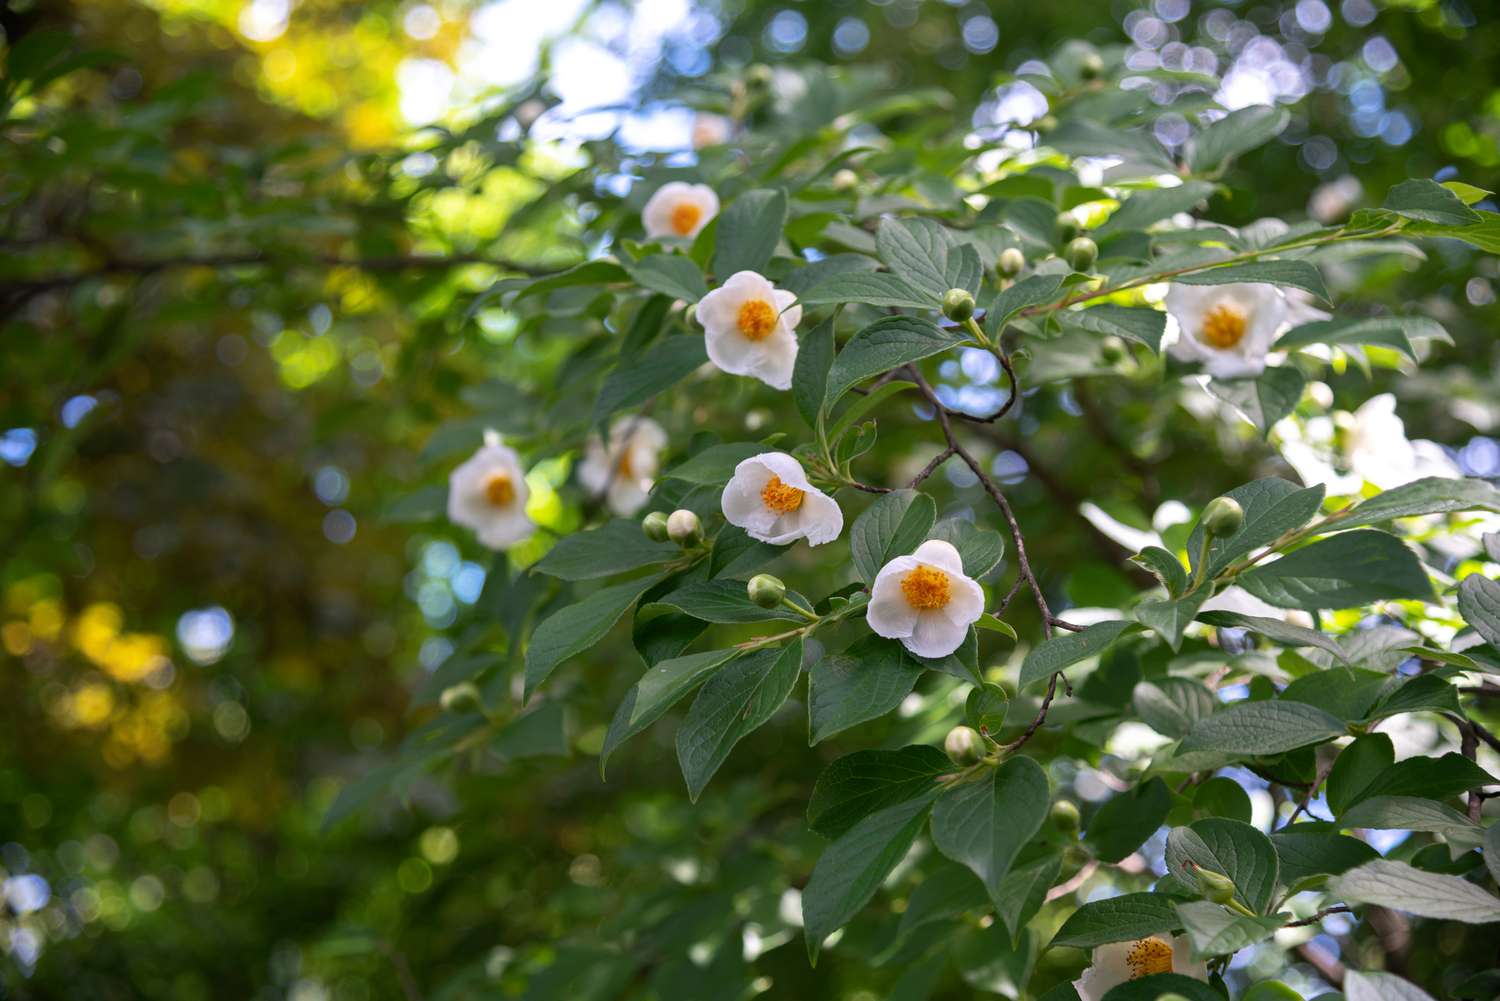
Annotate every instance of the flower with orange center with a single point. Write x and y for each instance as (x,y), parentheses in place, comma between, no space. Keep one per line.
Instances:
(488,494)
(1228,329)
(925,600)
(1223,326)
(748,327)
(678,209)
(769,496)
(623,469)
(1118,962)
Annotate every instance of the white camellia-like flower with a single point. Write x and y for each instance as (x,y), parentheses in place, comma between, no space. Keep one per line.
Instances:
(624,469)
(710,130)
(679,209)
(488,494)
(770,498)
(747,324)
(1345,451)
(925,600)
(1227,328)
(1117,962)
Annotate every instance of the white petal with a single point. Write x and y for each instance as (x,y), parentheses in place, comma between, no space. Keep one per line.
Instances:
(784,466)
(823,519)
(626,496)
(934,635)
(784,528)
(731,352)
(778,360)
(1182,961)
(941,554)
(719,311)
(656,216)
(967,603)
(790,315)
(742,505)
(507,530)
(888,613)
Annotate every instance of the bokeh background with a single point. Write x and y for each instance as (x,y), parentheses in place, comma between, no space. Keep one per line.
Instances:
(218,606)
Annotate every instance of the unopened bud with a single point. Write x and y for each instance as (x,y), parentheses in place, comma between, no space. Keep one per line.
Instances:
(1091,67)
(964,745)
(1065,816)
(758,76)
(765,590)
(1214,886)
(1067,226)
(1223,517)
(1012,262)
(1112,349)
(461,698)
(958,304)
(845,180)
(655,526)
(1171,997)
(1082,253)
(684,528)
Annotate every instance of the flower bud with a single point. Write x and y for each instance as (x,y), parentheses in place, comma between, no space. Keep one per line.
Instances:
(765,590)
(1011,262)
(1223,517)
(1065,816)
(1112,350)
(958,304)
(1174,996)
(684,528)
(1067,226)
(845,180)
(1214,886)
(964,745)
(1091,67)
(461,698)
(1082,253)
(655,526)
(758,76)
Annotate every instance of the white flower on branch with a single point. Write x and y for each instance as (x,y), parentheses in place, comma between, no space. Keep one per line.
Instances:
(925,600)
(1117,962)
(1348,450)
(1229,329)
(487,493)
(624,469)
(748,324)
(679,209)
(770,497)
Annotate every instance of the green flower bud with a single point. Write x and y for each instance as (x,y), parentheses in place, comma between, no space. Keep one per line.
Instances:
(1112,349)
(1082,253)
(1067,227)
(958,304)
(845,180)
(1065,816)
(758,76)
(1091,67)
(964,745)
(1214,886)
(461,698)
(1046,123)
(1223,517)
(1012,262)
(765,590)
(655,526)
(1170,997)
(684,528)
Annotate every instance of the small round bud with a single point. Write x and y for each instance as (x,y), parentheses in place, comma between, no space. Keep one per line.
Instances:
(1091,67)
(1045,124)
(1214,886)
(958,304)
(765,590)
(845,180)
(655,526)
(1112,350)
(461,698)
(1174,996)
(1067,226)
(684,528)
(758,76)
(1082,253)
(1011,262)
(1223,517)
(1065,816)
(964,745)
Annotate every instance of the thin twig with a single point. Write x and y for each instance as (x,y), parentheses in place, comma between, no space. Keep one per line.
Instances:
(1335,909)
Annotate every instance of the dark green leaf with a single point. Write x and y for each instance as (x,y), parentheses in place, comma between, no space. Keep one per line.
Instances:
(1144,326)
(1262,728)
(866,782)
(1426,200)
(985,708)
(983,823)
(748,231)
(613,548)
(1357,765)
(1305,855)
(1127,819)
(735,701)
(1401,887)
(1342,571)
(1432,495)
(871,288)
(1279,630)
(810,375)
(1065,649)
(1394,332)
(714,465)
(1265,399)
(1272,507)
(888,343)
(659,690)
(1168,617)
(1231,848)
(917,250)
(665,363)
(571,630)
(866,681)
(979,548)
(1118,919)
(1145,207)
(1238,132)
(1290,274)
(893,526)
(725,601)
(670,274)
(1165,567)
(1171,706)
(1033,290)
(1479,604)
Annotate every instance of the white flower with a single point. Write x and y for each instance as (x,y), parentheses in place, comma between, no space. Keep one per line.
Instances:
(710,130)
(1117,962)
(1378,450)
(679,209)
(1334,200)
(925,600)
(624,469)
(748,324)
(770,498)
(488,494)
(1229,328)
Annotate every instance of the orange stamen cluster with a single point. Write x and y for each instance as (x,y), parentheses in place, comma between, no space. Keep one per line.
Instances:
(781,497)
(1223,327)
(499,489)
(1147,957)
(926,588)
(756,320)
(684,217)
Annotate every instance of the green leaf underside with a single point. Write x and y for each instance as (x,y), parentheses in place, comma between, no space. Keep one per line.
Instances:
(1261,728)
(1401,887)
(1341,571)
(1066,649)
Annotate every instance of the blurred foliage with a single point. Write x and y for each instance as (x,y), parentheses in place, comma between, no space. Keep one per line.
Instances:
(244,338)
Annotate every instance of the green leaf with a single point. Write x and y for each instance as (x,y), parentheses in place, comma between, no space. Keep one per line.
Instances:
(1144,326)
(1279,630)
(810,374)
(1265,399)
(893,526)
(1165,567)
(1117,919)
(597,272)
(849,872)
(983,823)
(734,702)
(964,269)
(1065,649)
(1289,274)
(1145,207)
(816,272)
(634,381)
(1393,332)
(1492,851)
(615,547)
(1024,890)
(1033,290)
(1479,604)
(1229,847)
(1426,200)
(736,556)
(1171,706)
(1412,813)
(864,682)
(1424,693)
(1485,234)
(916,249)
(1427,777)
(1238,132)
(726,601)
(1168,617)
(670,274)
(540,732)
(945,892)
(1305,855)
(1342,571)
(888,343)
(866,782)
(1346,692)
(985,708)
(1127,819)
(1431,495)
(979,548)
(988,622)
(1383,987)
(714,465)
(1221,796)
(1401,887)
(1262,728)
(856,407)
(872,288)
(658,690)
(1215,930)
(1272,507)
(748,231)
(573,629)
